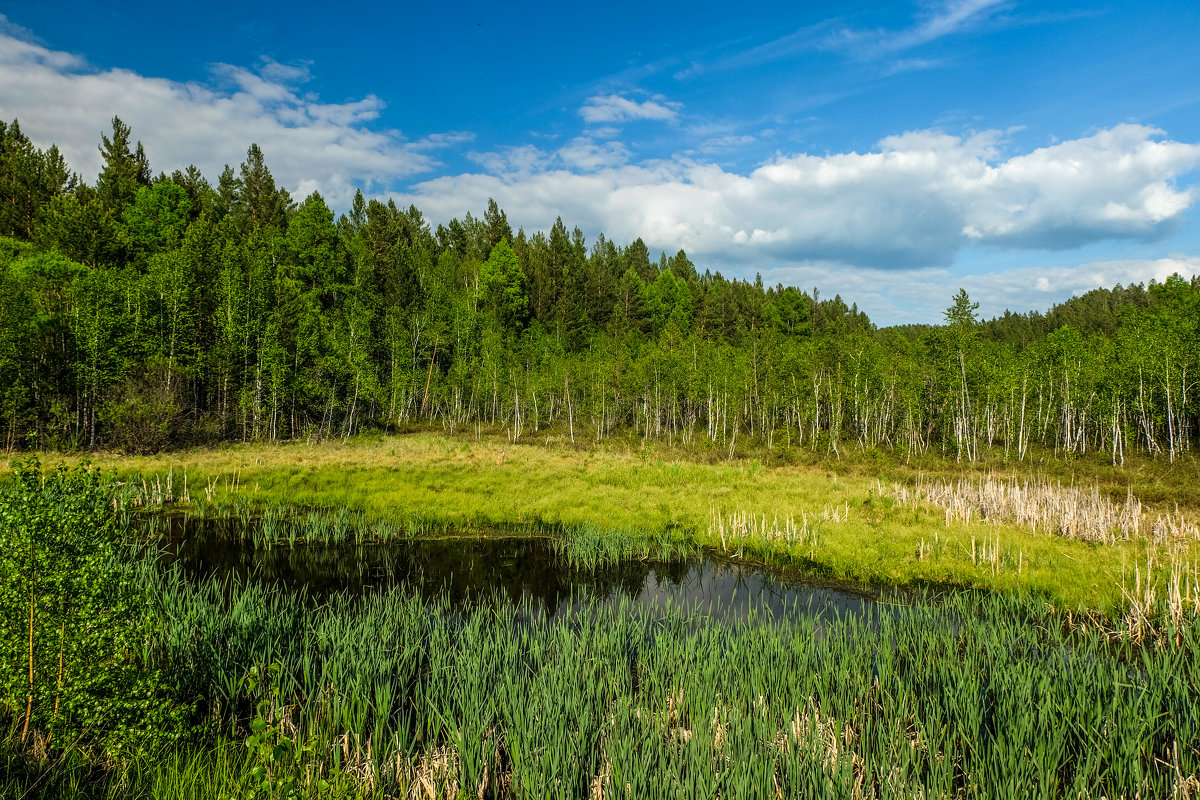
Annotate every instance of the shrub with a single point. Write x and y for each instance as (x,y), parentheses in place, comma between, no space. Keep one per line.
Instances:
(74,622)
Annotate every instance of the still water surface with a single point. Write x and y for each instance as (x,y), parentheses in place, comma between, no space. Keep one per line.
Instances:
(478,568)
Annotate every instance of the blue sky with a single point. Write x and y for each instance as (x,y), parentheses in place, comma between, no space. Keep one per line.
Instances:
(890,152)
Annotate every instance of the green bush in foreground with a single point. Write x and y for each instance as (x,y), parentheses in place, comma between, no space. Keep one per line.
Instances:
(74,624)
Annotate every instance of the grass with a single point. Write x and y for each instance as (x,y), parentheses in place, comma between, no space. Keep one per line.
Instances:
(974,696)
(429,480)
(999,693)
(202,770)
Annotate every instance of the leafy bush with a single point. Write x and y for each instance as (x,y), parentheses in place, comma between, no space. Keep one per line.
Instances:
(74,623)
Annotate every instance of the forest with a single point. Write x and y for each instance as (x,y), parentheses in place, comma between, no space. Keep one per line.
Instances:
(144,312)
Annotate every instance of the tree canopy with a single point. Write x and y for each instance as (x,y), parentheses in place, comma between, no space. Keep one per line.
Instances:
(143,312)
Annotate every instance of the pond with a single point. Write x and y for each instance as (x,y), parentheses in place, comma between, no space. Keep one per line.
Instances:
(482,566)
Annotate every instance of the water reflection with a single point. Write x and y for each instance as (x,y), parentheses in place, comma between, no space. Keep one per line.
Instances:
(475,568)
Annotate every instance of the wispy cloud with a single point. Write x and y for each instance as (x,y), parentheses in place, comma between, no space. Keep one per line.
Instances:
(721,144)
(615,108)
(953,17)
(801,40)
(864,44)
(581,154)
(901,65)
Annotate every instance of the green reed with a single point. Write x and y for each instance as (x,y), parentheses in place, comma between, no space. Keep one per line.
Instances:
(970,696)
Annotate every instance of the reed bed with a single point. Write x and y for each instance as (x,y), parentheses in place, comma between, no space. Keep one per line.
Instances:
(976,696)
(590,546)
(270,525)
(1072,512)
(1164,588)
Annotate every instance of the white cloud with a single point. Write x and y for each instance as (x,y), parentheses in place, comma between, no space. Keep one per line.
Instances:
(924,294)
(951,17)
(615,108)
(1038,288)
(721,144)
(513,160)
(913,202)
(603,132)
(580,154)
(584,154)
(309,145)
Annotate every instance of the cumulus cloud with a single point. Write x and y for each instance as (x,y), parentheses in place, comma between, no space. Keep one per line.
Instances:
(1038,288)
(615,108)
(914,201)
(584,154)
(310,145)
(924,294)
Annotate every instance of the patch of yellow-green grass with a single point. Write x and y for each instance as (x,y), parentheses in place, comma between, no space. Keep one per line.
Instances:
(856,535)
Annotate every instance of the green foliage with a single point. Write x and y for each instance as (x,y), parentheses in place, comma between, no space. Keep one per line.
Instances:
(157,219)
(194,314)
(280,768)
(971,696)
(73,621)
(962,313)
(124,169)
(502,287)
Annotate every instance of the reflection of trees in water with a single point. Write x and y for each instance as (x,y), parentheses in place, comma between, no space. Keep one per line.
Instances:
(468,570)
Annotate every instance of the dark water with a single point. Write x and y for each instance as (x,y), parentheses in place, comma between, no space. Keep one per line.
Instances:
(478,567)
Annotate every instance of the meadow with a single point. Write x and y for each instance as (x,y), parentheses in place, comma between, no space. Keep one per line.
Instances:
(861,520)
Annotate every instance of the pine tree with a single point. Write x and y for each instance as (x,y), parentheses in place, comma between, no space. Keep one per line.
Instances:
(265,205)
(124,170)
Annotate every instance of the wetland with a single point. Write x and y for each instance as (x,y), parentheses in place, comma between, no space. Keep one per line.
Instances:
(344,637)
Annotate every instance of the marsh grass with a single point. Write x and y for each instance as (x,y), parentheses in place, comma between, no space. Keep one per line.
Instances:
(971,696)
(428,482)
(216,769)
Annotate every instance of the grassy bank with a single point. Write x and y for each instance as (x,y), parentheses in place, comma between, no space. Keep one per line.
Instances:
(853,525)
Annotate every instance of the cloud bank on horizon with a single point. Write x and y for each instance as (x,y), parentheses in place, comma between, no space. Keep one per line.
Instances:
(902,211)
(913,202)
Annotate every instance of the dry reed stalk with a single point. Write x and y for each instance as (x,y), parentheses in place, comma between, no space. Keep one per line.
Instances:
(741,527)
(429,776)
(1071,512)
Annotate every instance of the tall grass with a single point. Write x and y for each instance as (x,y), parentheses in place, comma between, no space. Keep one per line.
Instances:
(974,696)
(275,525)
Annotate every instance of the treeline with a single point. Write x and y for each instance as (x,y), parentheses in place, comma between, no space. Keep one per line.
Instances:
(143,312)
